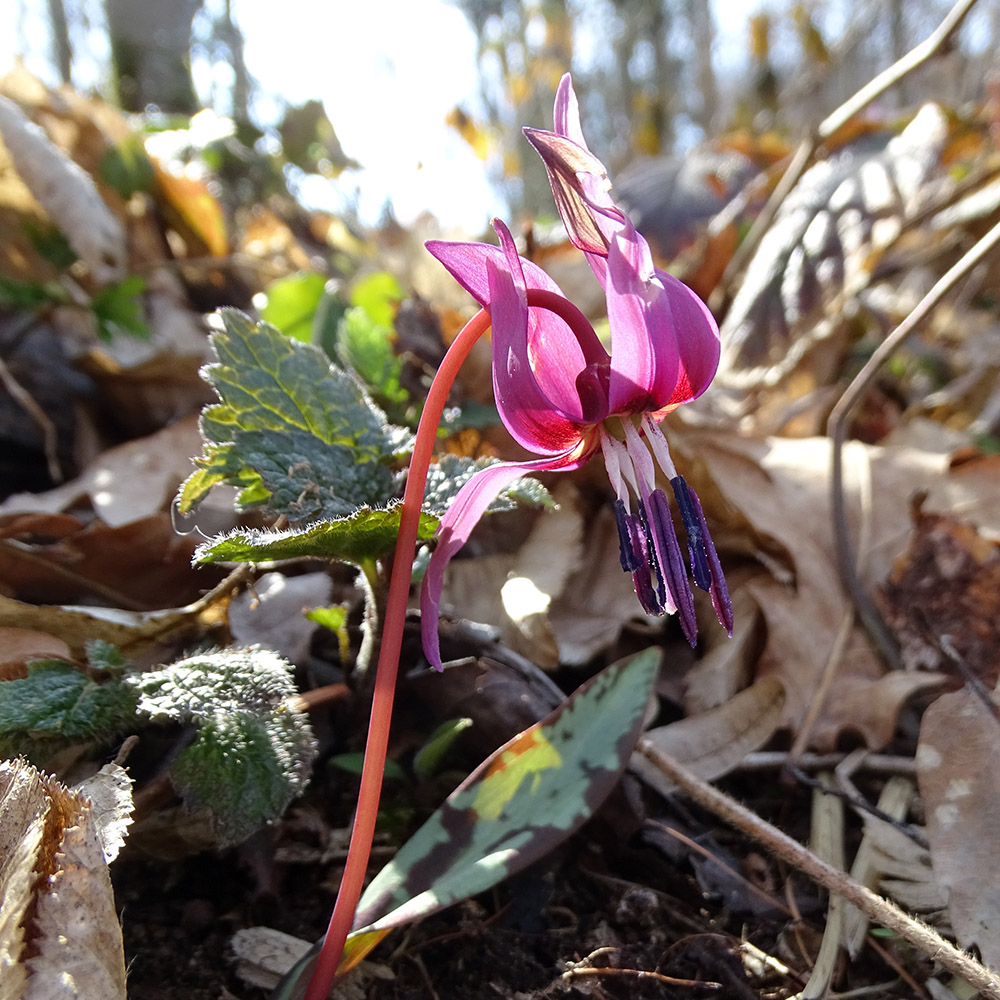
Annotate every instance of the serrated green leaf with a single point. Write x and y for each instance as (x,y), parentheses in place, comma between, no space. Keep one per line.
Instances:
(516,806)
(451,472)
(58,704)
(251,754)
(364,535)
(365,346)
(103,655)
(291,430)
(292,302)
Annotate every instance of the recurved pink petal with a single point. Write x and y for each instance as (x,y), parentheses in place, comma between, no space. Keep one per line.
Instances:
(566,113)
(466,262)
(456,526)
(537,361)
(532,418)
(697,340)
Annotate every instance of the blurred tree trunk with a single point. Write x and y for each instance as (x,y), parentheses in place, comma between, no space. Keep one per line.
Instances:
(62,53)
(702,24)
(150,47)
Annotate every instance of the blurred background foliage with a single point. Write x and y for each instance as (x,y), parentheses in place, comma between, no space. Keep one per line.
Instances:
(652,76)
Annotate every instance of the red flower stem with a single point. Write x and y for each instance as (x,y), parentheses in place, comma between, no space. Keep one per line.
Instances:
(388,662)
(363,832)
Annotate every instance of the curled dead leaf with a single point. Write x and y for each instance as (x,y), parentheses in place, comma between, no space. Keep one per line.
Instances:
(713,743)
(59,931)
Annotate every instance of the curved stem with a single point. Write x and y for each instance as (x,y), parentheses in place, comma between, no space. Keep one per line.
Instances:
(359,851)
(388,663)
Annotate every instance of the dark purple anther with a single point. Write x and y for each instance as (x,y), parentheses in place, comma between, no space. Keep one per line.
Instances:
(673,570)
(719,591)
(641,578)
(696,531)
(654,568)
(625,550)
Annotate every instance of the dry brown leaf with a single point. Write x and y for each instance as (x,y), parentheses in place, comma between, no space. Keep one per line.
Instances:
(57,903)
(66,192)
(126,483)
(140,565)
(947,586)
(771,499)
(712,744)
(132,632)
(19,646)
(958,768)
(23,806)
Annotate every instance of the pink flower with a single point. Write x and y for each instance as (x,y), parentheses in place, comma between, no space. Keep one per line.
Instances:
(563,397)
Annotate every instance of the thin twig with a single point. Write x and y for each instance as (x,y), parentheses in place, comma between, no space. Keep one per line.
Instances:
(836,428)
(27,402)
(875,907)
(878,763)
(938,40)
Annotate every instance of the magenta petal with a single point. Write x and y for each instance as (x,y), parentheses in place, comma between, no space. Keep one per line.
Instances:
(538,361)
(566,113)
(466,262)
(697,340)
(456,526)
(644,354)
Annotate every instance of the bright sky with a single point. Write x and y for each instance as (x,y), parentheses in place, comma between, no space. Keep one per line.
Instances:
(388,72)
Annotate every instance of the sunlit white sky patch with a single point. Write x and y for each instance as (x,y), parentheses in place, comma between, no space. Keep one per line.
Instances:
(388,72)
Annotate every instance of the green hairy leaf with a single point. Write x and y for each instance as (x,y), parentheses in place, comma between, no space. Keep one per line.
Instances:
(292,431)
(56,705)
(252,753)
(366,534)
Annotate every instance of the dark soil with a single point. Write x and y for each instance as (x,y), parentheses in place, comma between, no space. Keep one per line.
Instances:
(622,899)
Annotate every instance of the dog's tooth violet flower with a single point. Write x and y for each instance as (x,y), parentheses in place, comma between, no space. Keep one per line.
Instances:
(563,397)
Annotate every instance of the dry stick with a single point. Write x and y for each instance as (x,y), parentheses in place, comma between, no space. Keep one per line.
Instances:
(836,428)
(939,39)
(875,907)
(50,436)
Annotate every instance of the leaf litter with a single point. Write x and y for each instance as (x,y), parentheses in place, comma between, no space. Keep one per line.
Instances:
(93,558)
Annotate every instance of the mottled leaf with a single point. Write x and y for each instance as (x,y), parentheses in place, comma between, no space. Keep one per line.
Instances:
(362,536)
(516,806)
(292,431)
